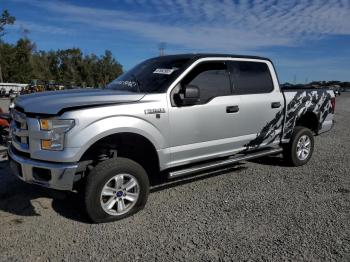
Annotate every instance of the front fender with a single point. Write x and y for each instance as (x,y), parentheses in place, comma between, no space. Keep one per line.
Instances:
(84,137)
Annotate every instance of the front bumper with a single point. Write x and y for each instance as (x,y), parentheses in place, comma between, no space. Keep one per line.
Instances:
(47,174)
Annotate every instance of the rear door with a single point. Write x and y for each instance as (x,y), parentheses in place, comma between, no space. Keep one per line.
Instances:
(261,103)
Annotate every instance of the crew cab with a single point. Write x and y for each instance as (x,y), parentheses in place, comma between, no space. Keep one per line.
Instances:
(168,116)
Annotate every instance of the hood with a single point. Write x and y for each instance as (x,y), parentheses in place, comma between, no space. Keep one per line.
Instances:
(54,102)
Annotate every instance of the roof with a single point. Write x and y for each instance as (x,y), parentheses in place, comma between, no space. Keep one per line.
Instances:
(204,55)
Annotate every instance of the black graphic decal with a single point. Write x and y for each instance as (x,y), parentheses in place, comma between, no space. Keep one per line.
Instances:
(268,133)
(317,101)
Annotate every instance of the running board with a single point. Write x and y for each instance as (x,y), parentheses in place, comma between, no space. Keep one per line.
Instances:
(222,163)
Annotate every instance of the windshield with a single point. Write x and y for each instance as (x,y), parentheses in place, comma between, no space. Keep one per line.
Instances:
(151,76)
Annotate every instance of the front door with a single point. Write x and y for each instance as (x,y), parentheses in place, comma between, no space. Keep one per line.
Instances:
(203,130)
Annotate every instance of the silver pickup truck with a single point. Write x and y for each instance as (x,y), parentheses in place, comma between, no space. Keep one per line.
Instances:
(168,116)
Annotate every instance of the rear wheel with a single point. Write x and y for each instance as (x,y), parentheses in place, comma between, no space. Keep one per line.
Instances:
(115,189)
(300,147)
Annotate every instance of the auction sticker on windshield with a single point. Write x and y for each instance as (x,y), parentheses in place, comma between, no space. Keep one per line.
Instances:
(126,83)
(164,71)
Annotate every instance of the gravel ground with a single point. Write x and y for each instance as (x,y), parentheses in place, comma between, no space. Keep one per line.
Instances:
(259,210)
(4,104)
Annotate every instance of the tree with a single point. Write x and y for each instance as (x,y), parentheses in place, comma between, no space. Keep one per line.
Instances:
(41,63)
(69,61)
(23,64)
(7,55)
(5,19)
(109,68)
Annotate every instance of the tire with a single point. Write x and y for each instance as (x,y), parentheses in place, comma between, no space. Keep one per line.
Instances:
(110,175)
(291,152)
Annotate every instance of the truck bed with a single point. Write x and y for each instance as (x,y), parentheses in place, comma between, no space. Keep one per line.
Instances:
(317,103)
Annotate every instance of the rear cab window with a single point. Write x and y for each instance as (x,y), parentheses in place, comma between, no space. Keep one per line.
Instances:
(251,77)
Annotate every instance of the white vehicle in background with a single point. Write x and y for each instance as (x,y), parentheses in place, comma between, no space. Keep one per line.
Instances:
(11,89)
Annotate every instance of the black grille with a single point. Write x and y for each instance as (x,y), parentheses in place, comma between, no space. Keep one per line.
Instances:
(20,124)
(17,124)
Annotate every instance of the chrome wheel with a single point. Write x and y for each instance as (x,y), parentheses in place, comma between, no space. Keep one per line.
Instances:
(303,147)
(120,194)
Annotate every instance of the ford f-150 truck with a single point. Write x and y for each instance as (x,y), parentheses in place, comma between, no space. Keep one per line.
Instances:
(170,116)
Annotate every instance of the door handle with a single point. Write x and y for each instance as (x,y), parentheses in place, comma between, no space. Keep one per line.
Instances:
(275,105)
(232,109)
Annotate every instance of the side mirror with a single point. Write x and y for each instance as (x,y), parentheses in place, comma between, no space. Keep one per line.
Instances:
(191,95)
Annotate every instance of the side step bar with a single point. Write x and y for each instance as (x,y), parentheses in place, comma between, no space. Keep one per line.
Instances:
(222,163)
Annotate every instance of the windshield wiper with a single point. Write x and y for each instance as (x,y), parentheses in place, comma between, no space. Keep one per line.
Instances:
(137,83)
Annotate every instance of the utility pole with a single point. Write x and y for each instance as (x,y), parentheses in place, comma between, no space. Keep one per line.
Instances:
(24,32)
(161,47)
(1,79)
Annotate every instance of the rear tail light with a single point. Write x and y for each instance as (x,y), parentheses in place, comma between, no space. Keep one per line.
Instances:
(333,105)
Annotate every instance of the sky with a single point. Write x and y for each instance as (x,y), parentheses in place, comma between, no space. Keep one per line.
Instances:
(306,39)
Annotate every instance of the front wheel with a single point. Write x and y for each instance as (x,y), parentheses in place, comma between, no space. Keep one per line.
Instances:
(115,189)
(300,147)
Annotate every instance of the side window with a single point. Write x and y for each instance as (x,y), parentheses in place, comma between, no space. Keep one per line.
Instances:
(211,78)
(252,78)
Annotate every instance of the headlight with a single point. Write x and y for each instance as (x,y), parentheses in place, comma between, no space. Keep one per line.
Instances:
(58,128)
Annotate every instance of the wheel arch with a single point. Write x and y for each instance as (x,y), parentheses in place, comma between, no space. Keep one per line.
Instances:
(87,134)
(130,145)
(308,119)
